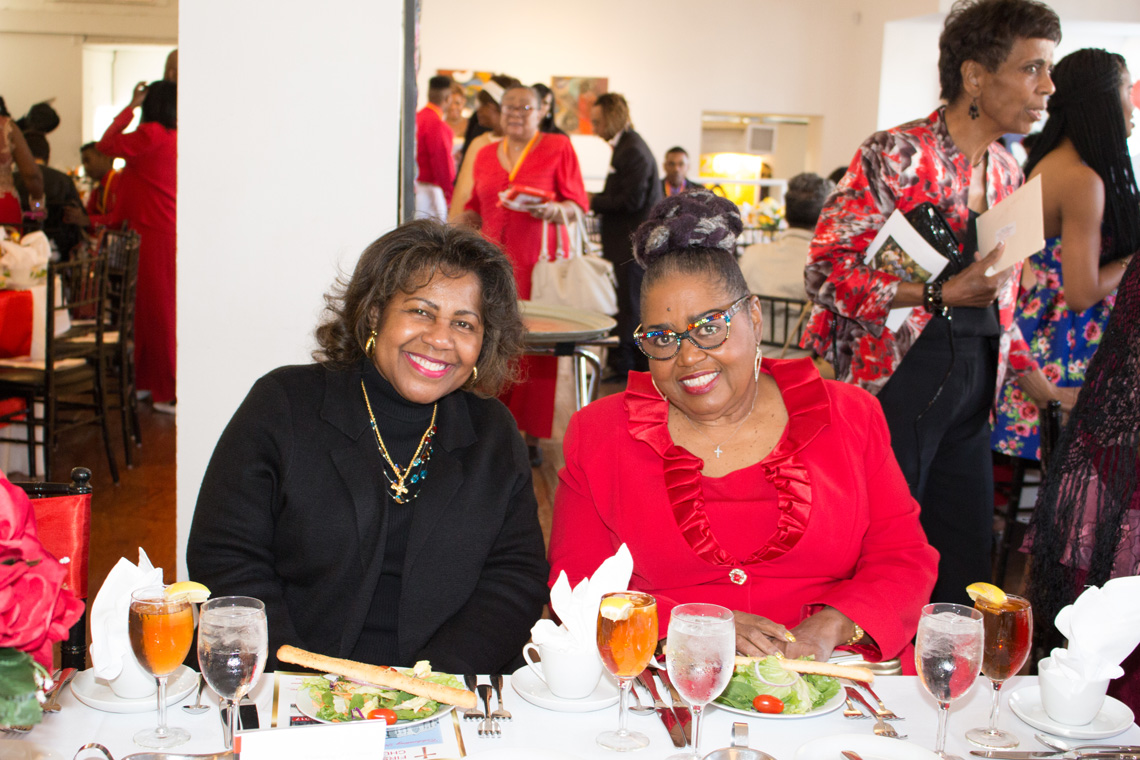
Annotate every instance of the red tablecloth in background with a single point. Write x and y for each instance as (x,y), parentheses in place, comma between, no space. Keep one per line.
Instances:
(15,323)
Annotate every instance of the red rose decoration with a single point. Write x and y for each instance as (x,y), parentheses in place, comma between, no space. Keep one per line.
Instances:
(35,610)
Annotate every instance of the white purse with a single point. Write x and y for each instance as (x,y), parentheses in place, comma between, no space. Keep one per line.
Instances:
(578,278)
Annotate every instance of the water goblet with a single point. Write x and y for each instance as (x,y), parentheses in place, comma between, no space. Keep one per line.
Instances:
(948,655)
(161,629)
(700,656)
(627,636)
(233,644)
(1008,636)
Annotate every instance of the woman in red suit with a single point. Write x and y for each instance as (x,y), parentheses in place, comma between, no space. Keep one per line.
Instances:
(746,482)
(527,157)
(147,200)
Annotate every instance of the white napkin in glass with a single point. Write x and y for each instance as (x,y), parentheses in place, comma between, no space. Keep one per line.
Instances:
(109,638)
(578,608)
(1103,627)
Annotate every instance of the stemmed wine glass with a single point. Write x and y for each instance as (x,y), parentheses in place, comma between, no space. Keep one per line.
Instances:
(233,644)
(161,629)
(627,636)
(700,657)
(1008,634)
(948,654)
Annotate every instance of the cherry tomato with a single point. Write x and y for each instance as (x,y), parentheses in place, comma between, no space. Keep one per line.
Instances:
(389,717)
(766,703)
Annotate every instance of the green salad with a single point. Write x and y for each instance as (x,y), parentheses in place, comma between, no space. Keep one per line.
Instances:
(342,700)
(800,693)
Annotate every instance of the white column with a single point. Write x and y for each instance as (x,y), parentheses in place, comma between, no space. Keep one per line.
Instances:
(288,151)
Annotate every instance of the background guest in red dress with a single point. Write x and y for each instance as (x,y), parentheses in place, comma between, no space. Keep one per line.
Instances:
(147,200)
(435,177)
(754,484)
(527,157)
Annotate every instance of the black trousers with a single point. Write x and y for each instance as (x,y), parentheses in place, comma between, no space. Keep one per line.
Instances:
(944,451)
(627,357)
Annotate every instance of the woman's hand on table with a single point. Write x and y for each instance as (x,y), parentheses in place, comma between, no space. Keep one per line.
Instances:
(758,636)
(820,634)
(972,287)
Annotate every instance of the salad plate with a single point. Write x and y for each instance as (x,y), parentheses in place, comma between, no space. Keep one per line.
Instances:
(309,709)
(830,705)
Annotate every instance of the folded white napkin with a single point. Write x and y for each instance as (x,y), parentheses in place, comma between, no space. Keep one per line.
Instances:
(578,609)
(24,264)
(109,638)
(1103,627)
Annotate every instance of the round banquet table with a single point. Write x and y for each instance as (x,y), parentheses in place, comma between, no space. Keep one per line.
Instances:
(563,331)
(537,733)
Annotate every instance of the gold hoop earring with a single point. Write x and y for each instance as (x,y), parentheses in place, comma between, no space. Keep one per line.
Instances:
(756,363)
(370,346)
(474,376)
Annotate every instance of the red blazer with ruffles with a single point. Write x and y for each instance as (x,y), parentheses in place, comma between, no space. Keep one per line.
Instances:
(846,534)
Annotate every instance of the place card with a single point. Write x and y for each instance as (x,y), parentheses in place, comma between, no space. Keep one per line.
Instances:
(360,740)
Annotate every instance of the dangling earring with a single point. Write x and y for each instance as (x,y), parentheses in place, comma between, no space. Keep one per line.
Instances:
(370,346)
(974,113)
(756,364)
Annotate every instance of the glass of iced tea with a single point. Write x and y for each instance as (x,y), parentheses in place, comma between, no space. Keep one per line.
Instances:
(161,629)
(627,636)
(1008,636)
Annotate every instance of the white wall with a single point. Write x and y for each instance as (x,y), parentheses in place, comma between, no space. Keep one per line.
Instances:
(287,169)
(812,57)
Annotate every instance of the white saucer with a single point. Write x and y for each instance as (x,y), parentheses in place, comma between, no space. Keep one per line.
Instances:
(868,747)
(1114,717)
(12,749)
(534,690)
(96,692)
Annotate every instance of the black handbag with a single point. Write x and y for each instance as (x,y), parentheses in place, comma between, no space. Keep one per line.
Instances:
(930,224)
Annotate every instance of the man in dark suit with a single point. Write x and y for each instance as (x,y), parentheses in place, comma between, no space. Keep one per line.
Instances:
(676,168)
(632,189)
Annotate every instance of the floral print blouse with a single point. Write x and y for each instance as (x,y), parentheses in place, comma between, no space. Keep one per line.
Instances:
(900,168)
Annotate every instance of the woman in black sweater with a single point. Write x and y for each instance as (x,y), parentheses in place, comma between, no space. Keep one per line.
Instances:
(379,501)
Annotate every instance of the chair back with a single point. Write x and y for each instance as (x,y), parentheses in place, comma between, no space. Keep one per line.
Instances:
(121,248)
(63,524)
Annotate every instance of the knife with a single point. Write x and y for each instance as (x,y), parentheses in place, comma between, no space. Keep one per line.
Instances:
(1121,753)
(680,709)
(62,679)
(663,712)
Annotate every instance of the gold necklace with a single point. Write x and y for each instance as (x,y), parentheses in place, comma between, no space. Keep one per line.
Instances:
(399,490)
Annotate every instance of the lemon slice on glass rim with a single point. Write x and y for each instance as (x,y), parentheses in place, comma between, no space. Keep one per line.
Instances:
(987,592)
(192,591)
(616,608)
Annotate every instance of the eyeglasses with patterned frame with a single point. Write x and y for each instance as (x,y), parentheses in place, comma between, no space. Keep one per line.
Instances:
(706,333)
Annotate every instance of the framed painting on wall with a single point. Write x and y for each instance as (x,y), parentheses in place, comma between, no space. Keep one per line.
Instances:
(470,81)
(573,98)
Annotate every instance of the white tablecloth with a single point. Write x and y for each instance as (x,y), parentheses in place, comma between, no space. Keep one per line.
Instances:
(536,729)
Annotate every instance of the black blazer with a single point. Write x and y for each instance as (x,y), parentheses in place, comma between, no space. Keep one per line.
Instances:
(632,189)
(292,511)
(689,185)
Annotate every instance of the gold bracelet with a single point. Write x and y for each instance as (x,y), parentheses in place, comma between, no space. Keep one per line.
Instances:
(855,637)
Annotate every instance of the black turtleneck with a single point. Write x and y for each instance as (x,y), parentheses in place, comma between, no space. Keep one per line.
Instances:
(401,423)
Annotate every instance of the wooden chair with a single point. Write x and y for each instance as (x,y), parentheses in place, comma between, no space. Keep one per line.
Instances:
(122,251)
(63,524)
(1050,427)
(69,382)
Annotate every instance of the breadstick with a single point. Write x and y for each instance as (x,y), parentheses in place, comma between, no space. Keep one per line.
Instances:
(389,678)
(854,672)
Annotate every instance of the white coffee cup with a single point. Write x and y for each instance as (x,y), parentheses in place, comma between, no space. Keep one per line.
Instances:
(133,682)
(569,675)
(1074,702)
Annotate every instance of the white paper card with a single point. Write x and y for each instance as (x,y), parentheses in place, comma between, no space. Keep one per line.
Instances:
(898,249)
(1017,221)
(361,740)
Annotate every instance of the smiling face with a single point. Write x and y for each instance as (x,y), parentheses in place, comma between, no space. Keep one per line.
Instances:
(1013,98)
(427,342)
(704,384)
(521,113)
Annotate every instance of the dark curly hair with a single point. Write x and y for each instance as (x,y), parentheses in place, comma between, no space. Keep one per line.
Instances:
(691,233)
(161,104)
(404,261)
(1086,109)
(985,31)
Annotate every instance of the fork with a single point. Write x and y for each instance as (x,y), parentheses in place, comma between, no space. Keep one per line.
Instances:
(882,728)
(474,713)
(489,726)
(851,711)
(501,713)
(883,712)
